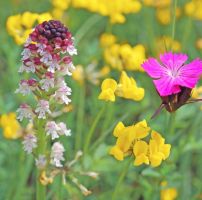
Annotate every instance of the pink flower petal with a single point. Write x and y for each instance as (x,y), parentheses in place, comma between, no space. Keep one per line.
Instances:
(190,74)
(153,68)
(173,61)
(166,86)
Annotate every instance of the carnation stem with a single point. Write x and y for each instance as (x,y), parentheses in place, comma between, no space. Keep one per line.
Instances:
(171,123)
(92,129)
(173,13)
(41,149)
(121,178)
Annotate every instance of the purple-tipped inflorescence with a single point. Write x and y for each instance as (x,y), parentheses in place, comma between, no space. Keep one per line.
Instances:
(47,58)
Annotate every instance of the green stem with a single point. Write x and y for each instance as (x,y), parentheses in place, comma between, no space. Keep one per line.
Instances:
(121,178)
(80,117)
(86,27)
(171,123)
(41,150)
(174,7)
(92,129)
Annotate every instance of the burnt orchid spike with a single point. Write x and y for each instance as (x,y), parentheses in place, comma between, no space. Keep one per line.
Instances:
(47,58)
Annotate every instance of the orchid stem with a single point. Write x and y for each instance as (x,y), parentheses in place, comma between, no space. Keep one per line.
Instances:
(41,149)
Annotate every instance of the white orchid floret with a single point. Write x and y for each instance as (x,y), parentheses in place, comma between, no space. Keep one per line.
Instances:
(63,129)
(24,88)
(24,111)
(57,152)
(61,95)
(41,161)
(48,82)
(29,143)
(42,109)
(52,129)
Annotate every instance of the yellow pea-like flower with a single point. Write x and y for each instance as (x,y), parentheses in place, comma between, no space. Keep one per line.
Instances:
(108,88)
(140,150)
(117,153)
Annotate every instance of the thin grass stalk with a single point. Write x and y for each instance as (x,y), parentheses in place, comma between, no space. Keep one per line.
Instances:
(121,178)
(92,129)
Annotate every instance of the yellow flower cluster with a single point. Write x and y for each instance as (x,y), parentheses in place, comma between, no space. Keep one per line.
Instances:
(122,56)
(165,43)
(20,26)
(168,193)
(113,9)
(126,88)
(163,10)
(194,8)
(129,142)
(11,127)
(59,6)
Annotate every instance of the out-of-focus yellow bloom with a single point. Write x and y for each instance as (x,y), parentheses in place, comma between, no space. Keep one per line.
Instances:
(199,44)
(107,39)
(90,73)
(158,149)
(44,180)
(157,3)
(164,15)
(130,141)
(127,88)
(20,26)
(108,88)
(113,9)
(61,4)
(44,17)
(197,92)
(125,57)
(193,8)
(168,193)
(164,43)
(11,127)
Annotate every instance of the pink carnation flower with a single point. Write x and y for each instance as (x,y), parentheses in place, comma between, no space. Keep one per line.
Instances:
(172,74)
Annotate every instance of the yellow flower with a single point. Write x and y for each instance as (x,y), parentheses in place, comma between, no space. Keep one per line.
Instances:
(117,153)
(20,26)
(61,4)
(141,130)
(157,3)
(113,9)
(128,89)
(125,56)
(158,149)
(140,150)
(193,8)
(168,193)
(44,17)
(129,141)
(137,57)
(118,130)
(166,42)
(108,88)
(11,127)
(196,92)
(107,39)
(199,44)
(78,74)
